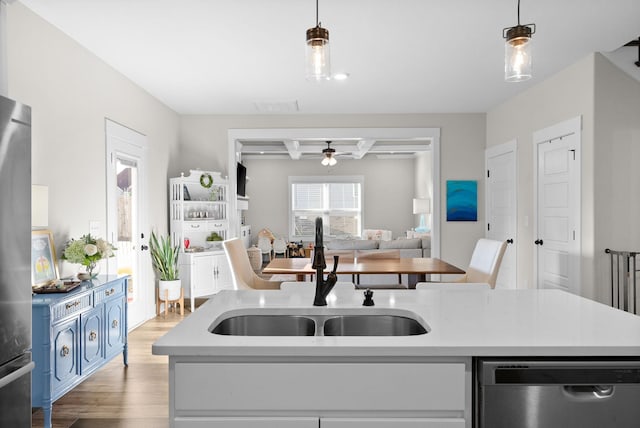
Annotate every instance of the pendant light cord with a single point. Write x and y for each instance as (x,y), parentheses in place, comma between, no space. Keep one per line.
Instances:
(518,12)
(317,14)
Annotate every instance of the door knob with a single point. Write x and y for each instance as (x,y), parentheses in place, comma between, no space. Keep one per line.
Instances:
(144,247)
(510,241)
(538,242)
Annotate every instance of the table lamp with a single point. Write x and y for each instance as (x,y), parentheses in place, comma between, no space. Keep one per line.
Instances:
(421,206)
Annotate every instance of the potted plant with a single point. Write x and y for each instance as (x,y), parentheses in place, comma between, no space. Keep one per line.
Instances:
(164,257)
(214,240)
(87,251)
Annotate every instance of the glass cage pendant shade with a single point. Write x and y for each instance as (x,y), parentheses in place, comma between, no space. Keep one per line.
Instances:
(517,59)
(318,62)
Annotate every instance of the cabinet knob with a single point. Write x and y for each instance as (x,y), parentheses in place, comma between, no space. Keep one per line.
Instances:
(114,324)
(538,242)
(64,351)
(93,336)
(144,247)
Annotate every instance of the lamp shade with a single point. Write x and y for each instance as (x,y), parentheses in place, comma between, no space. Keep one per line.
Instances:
(517,55)
(318,62)
(421,206)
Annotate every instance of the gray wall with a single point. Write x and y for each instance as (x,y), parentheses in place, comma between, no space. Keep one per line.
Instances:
(617,170)
(563,96)
(71,92)
(387,183)
(609,102)
(203,144)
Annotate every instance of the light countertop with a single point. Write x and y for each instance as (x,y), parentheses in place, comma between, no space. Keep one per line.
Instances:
(461,323)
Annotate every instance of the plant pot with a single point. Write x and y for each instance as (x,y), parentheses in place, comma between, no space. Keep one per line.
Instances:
(173,287)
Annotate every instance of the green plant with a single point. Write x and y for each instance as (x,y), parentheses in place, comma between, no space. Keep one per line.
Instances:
(213,236)
(164,257)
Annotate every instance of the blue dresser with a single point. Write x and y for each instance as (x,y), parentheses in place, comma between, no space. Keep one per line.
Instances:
(74,334)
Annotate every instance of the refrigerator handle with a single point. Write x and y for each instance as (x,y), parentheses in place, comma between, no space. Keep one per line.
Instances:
(16,374)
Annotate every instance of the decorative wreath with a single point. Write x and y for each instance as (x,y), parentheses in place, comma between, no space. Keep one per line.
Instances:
(206,180)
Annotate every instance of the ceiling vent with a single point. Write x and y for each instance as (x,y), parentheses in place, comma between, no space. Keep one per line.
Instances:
(277,106)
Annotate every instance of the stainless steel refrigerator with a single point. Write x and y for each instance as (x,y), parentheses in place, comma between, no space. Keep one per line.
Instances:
(15,264)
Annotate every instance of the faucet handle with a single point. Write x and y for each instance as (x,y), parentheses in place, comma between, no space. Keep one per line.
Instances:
(335,264)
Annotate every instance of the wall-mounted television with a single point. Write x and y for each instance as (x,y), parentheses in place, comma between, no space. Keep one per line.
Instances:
(241,175)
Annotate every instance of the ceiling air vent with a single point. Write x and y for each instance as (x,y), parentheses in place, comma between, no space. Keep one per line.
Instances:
(277,106)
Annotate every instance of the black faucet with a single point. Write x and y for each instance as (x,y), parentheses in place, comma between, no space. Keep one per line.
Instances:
(323,287)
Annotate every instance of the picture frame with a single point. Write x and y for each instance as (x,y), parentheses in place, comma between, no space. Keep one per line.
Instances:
(44,265)
(462,200)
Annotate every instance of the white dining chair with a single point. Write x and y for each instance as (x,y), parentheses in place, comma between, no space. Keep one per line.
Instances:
(308,285)
(279,247)
(264,244)
(485,262)
(242,274)
(452,286)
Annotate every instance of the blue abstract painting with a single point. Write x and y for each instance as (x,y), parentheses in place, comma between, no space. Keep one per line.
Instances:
(462,200)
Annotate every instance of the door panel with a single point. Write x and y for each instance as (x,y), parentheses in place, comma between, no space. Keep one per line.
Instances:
(502,207)
(554,214)
(127,218)
(557,236)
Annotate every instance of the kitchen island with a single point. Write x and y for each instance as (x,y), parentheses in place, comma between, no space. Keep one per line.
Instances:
(422,380)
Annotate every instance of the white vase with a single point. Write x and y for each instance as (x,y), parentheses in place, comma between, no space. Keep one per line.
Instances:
(173,287)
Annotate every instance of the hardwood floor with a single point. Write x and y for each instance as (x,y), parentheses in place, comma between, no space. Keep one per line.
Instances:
(119,397)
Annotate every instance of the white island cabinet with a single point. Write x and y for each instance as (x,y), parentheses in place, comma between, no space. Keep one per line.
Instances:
(421,380)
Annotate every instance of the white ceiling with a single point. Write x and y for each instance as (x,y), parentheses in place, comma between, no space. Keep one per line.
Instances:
(404,56)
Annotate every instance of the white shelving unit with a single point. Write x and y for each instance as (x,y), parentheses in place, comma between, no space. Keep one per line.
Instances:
(199,207)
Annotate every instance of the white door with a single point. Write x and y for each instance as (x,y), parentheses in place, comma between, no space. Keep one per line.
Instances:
(502,207)
(557,234)
(127,217)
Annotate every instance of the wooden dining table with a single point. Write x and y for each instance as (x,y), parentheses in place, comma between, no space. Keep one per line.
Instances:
(418,268)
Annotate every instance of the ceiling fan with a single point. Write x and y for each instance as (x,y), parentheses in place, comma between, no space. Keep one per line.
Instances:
(329,153)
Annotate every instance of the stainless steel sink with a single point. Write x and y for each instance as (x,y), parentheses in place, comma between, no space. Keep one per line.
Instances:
(266,325)
(319,322)
(372,325)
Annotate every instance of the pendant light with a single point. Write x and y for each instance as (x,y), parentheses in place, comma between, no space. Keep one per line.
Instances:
(328,158)
(517,51)
(317,52)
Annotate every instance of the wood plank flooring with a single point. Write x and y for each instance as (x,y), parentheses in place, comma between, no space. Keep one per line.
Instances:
(119,397)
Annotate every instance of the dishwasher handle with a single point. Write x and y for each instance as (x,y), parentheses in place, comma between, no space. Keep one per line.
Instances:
(589,392)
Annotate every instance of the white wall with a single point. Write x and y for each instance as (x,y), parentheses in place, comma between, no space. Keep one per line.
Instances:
(565,95)
(71,92)
(617,170)
(203,144)
(387,183)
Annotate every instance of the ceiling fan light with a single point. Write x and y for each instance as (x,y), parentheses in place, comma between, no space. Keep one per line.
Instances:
(318,59)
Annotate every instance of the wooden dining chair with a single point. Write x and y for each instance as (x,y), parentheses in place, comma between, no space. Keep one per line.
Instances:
(242,274)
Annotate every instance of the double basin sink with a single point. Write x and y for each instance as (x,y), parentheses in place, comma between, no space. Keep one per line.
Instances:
(327,322)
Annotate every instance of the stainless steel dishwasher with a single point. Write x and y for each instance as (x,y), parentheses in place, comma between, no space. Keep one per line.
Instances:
(557,393)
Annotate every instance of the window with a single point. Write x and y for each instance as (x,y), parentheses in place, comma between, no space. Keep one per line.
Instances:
(338,200)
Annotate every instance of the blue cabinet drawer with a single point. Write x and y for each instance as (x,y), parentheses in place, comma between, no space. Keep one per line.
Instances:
(72,306)
(110,292)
